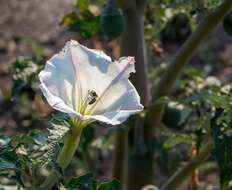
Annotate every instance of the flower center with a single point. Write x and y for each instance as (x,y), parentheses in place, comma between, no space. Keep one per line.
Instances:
(89,99)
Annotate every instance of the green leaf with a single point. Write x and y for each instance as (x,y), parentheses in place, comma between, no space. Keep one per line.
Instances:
(175,139)
(109,185)
(52,147)
(4,140)
(222,148)
(85,182)
(60,119)
(82,4)
(23,139)
(6,165)
(70,20)
(25,71)
(86,24)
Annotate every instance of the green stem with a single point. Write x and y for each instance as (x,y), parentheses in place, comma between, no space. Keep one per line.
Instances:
(140,165)
(132,44)
(120,157)
(176,180)
(65,156)
(182,57)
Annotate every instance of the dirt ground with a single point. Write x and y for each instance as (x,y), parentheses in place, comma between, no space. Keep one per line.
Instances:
(33,20)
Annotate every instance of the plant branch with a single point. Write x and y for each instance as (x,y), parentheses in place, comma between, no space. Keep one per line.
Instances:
(132,44)
(185,53)
(176,180)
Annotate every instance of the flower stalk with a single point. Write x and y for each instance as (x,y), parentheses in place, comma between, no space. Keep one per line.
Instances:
(71,143)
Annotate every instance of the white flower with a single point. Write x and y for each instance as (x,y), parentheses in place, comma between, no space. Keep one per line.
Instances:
(87,85)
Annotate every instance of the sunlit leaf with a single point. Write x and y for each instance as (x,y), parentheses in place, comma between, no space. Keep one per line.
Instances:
(176,139)
(109,185)
(82,4)
(85,23)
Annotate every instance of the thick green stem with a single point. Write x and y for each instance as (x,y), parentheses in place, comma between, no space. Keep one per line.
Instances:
(120,161)
(65,156)
(177,179)
(182,57)
(133,44)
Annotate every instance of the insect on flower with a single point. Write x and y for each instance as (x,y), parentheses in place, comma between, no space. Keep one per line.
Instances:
(89,86)
(92,96)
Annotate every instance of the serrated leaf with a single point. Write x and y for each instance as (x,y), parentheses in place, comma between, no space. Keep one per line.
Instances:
(52,147)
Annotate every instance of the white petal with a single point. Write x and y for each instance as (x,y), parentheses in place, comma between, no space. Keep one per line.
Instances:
(114,117)
(92,67)
(58,104)
(58,79)
(120,101)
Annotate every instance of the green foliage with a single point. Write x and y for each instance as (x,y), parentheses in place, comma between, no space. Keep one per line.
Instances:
(21,158)
(18,158)
(89,24)
(82,4)
(206,96)
(198,5)
(86,182)
(25,71)
(175,139)
(60,125)
(109,185)
(222,134)
(89,182)
(85,23)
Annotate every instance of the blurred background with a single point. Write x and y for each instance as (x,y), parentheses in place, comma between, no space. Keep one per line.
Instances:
(31,31)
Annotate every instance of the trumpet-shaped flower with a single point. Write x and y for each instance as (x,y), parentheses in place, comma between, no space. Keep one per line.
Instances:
(89,86)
